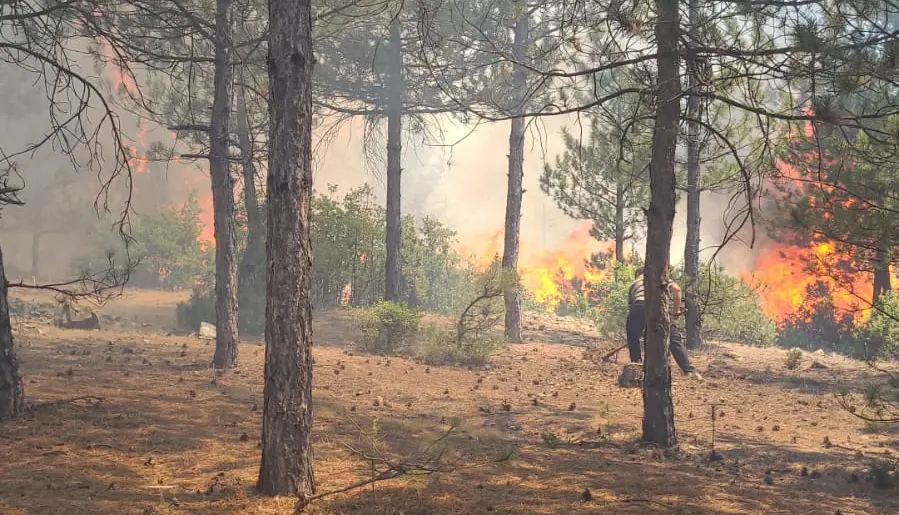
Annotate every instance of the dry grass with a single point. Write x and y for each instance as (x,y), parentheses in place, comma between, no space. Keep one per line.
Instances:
(166,439)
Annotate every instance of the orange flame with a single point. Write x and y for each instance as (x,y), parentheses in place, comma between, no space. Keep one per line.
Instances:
(550,276)
(785,272)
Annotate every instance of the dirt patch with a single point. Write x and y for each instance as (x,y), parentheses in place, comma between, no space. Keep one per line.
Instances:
(154,433)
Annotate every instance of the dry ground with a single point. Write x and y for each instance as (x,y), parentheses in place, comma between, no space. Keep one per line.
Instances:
(167,439)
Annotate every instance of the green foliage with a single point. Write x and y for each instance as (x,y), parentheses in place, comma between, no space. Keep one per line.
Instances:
(439,345)
(348,238)
(793,359)
(387,327)
(165,244)
(200,307)
(879,337)
(604,178)
(611,312)
(882,473)
(818,324)
(730,308)
(348,235)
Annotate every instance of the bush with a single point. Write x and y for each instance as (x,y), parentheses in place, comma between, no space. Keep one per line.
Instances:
(879,336)
(611,311)
(438,345)
(882,472)
(199,308)
(818,324)
(730,308)
(793,359)
(386,327)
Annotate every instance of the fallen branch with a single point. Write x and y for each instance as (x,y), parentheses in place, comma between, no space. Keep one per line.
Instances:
(48,404)
(391,471)
(609,354)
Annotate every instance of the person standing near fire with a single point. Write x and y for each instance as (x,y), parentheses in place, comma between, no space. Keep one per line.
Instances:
(636,325)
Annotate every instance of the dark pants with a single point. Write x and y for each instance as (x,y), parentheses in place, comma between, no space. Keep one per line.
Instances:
(636,328)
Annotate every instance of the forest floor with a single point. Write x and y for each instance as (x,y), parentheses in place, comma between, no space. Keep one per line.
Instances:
(128,420)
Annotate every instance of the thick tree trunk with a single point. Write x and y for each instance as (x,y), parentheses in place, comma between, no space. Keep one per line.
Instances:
(251,270)
(223,193)
(658,409)
(12,393)
(620,229)
(691,248)
(883,280)
(514,193)
(286,467)
(394,166)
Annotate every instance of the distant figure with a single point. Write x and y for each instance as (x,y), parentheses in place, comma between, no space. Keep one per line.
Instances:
(346,295)
(636,325)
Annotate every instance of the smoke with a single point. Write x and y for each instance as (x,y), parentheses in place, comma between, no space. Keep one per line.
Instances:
(52,229)
(462,182)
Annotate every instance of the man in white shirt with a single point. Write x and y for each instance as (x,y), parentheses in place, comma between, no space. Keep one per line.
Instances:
(636,324)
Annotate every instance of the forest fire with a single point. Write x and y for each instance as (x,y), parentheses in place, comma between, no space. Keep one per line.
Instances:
(784,273)
(124,88)
(552,278)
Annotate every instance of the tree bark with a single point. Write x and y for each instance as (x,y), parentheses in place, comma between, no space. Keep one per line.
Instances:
(286,466)
(12,393)
(514,193)
(250,271)
(620,229)
(658,409)
(883,280)
(223,193)
(394,166)
(691,247)
(37,227)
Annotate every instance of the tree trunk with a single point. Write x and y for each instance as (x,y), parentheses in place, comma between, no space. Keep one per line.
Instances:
(37,227)
(658,409)
(883,280)
(223,193)
(620,229)
(394,166)
(512,293)
(12,393)
(286,466)
(250,272)
(691,248)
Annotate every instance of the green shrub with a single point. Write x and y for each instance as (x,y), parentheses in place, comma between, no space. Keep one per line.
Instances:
(793,359)
(199,308)
(610,314)
(818,324)
(730,308)
(387,327)
(882,473)
(879,337)
(438,345)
